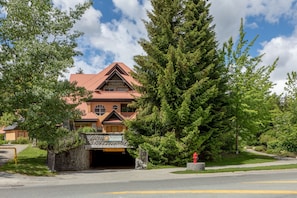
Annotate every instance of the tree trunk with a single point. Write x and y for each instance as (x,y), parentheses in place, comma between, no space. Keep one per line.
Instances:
(51,158)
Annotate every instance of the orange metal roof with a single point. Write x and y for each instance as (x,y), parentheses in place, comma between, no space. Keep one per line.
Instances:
(92,81)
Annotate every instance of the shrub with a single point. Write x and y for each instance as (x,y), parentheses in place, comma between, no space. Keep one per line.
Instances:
(3,142)
(260,148)
(42,145)
(86,130)
(21,140)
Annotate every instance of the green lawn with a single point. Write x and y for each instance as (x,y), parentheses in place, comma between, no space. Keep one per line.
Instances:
(230,159)
(241,158)
(276,167)
(31,161)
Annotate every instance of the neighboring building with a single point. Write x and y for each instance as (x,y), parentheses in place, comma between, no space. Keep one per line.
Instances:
(2,132)
(13,133)
(112,92)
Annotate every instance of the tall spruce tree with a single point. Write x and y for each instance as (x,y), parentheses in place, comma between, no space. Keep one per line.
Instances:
(181,106)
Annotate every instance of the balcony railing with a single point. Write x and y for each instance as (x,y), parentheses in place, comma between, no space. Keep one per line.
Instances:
(105,140)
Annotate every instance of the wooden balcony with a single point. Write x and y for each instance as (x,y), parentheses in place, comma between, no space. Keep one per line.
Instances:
(104,140)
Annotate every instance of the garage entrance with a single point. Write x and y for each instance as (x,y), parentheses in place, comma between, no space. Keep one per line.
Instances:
(111,159)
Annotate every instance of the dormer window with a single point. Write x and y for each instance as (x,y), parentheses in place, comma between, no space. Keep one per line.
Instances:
(108,89)
(99,110)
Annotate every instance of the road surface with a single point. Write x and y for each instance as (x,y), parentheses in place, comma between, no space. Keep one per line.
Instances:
(256,184)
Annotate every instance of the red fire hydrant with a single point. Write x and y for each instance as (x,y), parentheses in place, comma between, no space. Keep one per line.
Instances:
(195,157)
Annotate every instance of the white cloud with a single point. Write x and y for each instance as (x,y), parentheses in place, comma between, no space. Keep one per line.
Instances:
(286,49)
(227,16)
(118,38)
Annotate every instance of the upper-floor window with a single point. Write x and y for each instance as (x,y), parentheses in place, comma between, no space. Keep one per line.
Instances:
(125,108)
(114,107)
(99,109)
(108,89)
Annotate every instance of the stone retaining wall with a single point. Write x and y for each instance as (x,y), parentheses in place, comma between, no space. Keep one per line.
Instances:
(74,159)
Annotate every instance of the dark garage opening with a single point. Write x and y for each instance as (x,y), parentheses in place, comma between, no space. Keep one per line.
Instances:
(101,159)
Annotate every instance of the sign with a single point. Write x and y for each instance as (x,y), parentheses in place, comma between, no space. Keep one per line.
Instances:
(115,138)
(113,150)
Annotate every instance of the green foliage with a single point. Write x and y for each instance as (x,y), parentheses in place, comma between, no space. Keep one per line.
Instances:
(7,118)
(182,89)
(42,145)
(164,150)
(281,136)
(248,89)
(86,130)
(2,141)
(21,140)
(67,141)
(31,161)
(37,45)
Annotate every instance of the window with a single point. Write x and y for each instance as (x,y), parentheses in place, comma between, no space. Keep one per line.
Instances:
(125,108)
(115,107)
(99,109)
(108,89)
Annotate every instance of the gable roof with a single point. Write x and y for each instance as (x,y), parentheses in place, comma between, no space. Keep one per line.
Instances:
(92,81)
(13,126)
(113,118)
(111,74)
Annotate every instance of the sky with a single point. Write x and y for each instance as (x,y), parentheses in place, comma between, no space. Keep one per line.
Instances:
(112,29)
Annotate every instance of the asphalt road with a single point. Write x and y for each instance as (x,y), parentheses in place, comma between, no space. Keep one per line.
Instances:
(240,184)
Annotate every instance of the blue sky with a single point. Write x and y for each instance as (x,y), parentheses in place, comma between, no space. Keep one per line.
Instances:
(113,27)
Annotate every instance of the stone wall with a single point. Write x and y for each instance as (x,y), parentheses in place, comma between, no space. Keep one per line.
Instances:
(74,159)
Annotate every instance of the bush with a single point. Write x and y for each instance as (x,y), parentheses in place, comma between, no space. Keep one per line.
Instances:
(3,142)
(21,140)
(164,150)
(260,148)
(273,146)
(42,145)
(86,130)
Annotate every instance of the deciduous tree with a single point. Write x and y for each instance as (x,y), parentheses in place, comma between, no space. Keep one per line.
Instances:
(37,46)
(249,88)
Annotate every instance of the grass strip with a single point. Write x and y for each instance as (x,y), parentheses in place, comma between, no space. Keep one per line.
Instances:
(31,161)
(223,170)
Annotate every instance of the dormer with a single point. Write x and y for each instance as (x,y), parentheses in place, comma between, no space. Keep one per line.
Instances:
(113,118)
(115,81)
(117,68)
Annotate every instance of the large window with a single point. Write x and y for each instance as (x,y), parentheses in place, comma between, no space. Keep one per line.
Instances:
(125,108)
(99,109)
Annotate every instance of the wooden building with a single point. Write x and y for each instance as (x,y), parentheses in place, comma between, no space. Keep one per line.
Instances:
(112,92)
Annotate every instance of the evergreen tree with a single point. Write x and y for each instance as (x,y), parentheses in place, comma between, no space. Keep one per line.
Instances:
(181,83)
